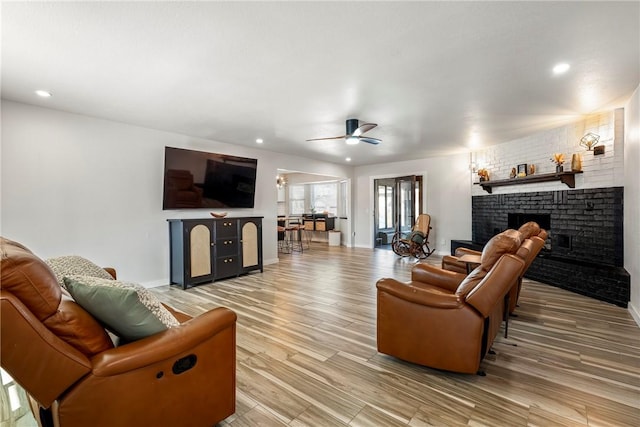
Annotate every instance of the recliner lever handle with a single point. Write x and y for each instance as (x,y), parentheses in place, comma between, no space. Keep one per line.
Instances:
(184,364)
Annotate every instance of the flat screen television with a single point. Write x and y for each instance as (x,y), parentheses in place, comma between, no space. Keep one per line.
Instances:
(197,179)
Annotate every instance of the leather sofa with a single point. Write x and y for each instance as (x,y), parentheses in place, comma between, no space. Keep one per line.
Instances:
(64,359)
(448,320)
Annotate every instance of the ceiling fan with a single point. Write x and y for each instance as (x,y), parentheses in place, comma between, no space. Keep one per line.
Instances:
(354,133)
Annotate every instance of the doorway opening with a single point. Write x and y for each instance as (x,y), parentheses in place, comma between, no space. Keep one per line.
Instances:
(398,202)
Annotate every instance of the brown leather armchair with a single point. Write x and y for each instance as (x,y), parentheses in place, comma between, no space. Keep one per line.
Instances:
(448,320)
(63,358)
(528,231)
(537,243)
(180,190)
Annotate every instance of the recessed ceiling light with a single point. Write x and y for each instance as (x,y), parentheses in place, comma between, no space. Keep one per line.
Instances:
(561,68)
(259,141)
(43,93)
(348,159)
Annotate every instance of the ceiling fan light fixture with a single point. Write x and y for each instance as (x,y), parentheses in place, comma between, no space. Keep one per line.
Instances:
(352,140)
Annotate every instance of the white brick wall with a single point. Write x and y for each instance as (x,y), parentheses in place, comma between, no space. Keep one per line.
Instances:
(599,171)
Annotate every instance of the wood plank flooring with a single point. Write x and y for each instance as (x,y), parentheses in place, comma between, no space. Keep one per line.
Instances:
(306,353)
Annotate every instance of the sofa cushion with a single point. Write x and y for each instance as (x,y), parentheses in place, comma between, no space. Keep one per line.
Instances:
(32,281)
(74,324)
(529,229)
(127,309)
(28,278)
(506,242)
(471,281)
(70,265)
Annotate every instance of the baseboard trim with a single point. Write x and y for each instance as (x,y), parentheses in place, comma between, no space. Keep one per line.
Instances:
(634,313)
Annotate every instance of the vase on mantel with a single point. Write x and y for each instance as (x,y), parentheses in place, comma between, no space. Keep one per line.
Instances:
(559,168)
(576,163)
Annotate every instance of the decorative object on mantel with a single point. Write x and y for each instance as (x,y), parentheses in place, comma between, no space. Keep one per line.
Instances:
(558,159)
(513,173)
(522,170)
(598,150)
(576,162)
(218,215)
(532,169)
(483,174)
(589,141)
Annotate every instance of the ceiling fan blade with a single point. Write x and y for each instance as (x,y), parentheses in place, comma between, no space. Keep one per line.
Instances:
(365,127)
(374,141)
(323,139)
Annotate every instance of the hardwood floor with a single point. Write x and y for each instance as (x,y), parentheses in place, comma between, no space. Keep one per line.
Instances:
(306,353)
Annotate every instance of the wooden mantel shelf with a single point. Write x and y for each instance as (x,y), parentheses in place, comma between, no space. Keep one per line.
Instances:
(568,178)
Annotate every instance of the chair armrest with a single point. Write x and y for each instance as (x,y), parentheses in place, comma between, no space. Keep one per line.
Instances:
(170,343)
(453,263)
(436,276)
(417,295)
(466,251)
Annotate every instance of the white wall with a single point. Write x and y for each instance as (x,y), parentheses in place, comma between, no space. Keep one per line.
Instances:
(598,171)
(632,200)
(73,184)
(447,197)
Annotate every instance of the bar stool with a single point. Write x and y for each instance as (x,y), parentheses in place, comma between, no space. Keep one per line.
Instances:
(283,243)
(294,237)
(303,235)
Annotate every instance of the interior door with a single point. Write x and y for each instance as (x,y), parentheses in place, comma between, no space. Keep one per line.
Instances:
(398,201)
(406,203)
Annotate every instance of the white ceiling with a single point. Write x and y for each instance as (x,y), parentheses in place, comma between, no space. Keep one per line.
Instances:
(429,73)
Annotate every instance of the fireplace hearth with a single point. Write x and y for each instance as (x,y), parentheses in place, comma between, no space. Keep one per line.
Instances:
(584,251)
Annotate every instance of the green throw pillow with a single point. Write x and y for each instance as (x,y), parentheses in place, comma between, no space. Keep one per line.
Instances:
(127,309)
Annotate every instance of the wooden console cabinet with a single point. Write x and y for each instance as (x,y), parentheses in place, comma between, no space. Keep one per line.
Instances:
(204,250)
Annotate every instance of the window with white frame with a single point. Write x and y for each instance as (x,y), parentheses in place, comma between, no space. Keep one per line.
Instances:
(317,197)
(296,199)
(324,197)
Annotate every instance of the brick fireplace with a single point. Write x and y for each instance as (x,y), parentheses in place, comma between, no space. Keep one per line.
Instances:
(584,252)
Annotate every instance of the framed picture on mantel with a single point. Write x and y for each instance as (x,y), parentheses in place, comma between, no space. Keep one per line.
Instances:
(522,170)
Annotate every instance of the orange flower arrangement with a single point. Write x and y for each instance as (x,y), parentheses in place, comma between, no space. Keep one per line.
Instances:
(558,158)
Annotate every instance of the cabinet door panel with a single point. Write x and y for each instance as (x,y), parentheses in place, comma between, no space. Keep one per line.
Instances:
(249,244)
(200,249)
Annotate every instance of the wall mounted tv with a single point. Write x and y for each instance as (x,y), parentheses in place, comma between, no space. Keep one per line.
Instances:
(196,180)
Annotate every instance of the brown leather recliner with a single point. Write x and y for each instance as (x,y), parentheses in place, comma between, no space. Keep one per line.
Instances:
(181,192)
(448,320)
(537,243)
(63,358)
(528,231)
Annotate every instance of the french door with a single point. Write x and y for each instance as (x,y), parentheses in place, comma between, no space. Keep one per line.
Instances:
(398,201)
